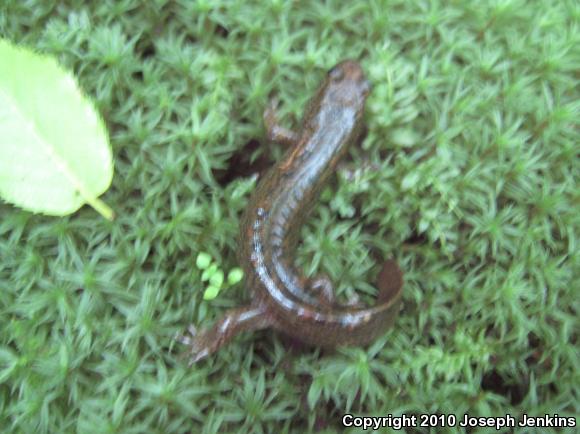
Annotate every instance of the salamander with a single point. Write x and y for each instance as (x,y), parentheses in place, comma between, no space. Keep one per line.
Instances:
(282,298)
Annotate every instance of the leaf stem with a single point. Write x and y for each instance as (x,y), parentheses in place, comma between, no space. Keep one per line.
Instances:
(101,207)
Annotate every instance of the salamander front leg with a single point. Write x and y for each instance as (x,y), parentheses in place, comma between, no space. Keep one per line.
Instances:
(274,131)
(202,344)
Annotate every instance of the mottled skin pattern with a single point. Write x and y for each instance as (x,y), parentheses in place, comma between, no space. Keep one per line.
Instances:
(282,298)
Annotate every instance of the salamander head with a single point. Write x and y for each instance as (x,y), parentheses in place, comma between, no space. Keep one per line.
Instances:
(346,85)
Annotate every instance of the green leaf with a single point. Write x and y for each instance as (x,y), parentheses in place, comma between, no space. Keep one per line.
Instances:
(410,180)
(404,137)
(54,149)
(314,393)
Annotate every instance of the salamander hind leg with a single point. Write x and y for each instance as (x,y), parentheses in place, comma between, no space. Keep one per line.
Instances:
(389,282)
(322,288)
(203,343)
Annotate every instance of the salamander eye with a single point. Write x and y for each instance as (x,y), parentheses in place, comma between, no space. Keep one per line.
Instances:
(336,73)
(366,87)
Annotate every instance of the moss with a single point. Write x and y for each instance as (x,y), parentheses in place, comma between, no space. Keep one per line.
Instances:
(473,123)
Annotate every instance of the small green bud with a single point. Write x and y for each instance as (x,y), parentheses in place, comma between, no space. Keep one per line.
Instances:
(206,275)
(203,260)
(211,292)
(235,275)
(217,279)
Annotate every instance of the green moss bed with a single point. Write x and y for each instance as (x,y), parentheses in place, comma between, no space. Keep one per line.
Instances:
(473,125)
